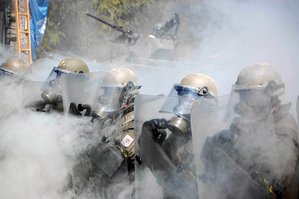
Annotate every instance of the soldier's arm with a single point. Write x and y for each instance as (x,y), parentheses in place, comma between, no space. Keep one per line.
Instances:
(287,152)
(37,106)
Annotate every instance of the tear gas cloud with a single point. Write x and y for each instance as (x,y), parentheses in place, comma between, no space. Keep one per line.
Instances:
(236,34)
(38,150)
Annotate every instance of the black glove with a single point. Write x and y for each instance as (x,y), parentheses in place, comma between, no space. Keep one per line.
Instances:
(225,137)
(158,127)
(87,107)
(159,135)
(74,110)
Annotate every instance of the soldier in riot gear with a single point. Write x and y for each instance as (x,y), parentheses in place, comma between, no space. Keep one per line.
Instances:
(51,95)
(172,159)
(12,77)
(14,67)
(268,162)
(111,160)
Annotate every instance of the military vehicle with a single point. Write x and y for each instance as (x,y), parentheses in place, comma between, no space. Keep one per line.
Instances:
(160,44)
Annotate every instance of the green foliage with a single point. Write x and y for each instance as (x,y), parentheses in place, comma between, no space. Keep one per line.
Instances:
(122,12)
(113,9)
(68,27)
(53,36)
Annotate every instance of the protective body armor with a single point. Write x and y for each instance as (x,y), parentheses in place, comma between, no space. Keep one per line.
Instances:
(259,180)
(165,145)
(108,163)
(163,167)
(170,160)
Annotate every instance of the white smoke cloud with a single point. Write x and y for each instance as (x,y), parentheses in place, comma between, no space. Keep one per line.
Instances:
(37,150)
(33,165)
(236,34)
(4,53)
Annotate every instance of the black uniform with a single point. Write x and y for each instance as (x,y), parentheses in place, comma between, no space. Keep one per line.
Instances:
(170,160)
(254,159)
(107,169)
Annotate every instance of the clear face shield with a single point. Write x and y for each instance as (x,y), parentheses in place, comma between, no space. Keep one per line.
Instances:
(110,100)
(5,73)
(52,89)
(232,143)
(56,74)
(255,103)
(180,101)
(18,74)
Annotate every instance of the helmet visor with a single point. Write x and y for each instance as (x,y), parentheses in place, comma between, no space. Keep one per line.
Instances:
(238,88)
(181,99)
(53,85)
(56,74)
(5,72)
(252,104)
(276,89)
(107,99)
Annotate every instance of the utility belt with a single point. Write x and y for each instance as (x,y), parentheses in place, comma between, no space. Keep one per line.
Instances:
(273,189)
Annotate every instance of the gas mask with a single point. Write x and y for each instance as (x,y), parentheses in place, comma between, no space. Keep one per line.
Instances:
(179,102)
(52,91)
(253,105)
(256,103)
(112,101)
(51,97)
(107,103)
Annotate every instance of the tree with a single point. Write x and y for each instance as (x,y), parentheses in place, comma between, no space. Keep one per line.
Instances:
(69,29)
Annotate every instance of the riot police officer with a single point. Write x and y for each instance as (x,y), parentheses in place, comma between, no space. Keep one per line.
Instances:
(51,94)
(12,74)
(172,159)
(261,141)
(110,161)
(14,67)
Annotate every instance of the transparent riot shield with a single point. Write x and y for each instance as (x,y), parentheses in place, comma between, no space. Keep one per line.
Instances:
(146,107)
(297,110)
(11,95)
(231,154)
(79,88)
(159,174)
(100,169)
(39,96)
(107,158)
(32,91)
